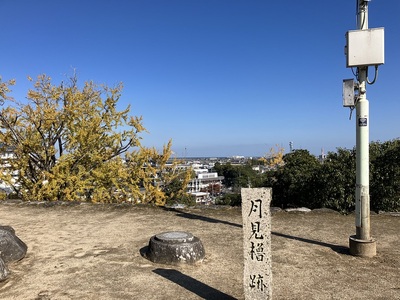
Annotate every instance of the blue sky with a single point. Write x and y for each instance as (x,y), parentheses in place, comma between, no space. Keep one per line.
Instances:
(218,77)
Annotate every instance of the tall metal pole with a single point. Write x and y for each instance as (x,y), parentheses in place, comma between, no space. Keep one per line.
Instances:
(362,141)
(362,244)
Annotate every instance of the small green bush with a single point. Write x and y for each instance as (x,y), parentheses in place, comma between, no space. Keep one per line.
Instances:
(233,199)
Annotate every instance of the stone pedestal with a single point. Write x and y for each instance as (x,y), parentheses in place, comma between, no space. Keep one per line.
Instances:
(175,247)
(363,248)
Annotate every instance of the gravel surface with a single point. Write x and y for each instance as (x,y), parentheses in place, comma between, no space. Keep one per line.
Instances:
(92,251)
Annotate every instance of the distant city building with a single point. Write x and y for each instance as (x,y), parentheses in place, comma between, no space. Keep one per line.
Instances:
(7,154)
(322,156)
(205,186)
(238,157)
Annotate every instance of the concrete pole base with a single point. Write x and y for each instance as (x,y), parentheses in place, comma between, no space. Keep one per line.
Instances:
(363,248)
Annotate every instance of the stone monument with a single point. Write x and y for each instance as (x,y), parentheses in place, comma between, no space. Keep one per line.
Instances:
(257,278)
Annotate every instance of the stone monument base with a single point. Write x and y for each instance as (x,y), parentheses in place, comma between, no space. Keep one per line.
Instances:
(175,247)
(363,248)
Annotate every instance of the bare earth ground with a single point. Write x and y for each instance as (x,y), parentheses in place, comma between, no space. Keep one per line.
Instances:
(94,252)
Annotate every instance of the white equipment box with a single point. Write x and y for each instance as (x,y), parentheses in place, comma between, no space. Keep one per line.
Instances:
(365,47)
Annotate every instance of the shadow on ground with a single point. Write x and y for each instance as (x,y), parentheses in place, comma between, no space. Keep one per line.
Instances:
(192,216)
(193,285)
(336,248)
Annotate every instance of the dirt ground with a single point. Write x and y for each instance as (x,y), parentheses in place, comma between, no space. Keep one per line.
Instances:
(94,252)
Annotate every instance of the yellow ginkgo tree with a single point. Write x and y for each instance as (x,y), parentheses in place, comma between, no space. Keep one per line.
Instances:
(73,144)
(274,158)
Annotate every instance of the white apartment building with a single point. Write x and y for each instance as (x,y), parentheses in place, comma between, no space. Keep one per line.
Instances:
(202,186)
(5,156)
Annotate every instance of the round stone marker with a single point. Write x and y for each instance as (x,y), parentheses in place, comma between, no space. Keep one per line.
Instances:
(175,247)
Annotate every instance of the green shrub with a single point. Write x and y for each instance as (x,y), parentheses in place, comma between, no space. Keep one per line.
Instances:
(385,176)
(304,181)
(233,199)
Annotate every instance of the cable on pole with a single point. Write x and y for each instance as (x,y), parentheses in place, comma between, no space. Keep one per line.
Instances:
(375,76)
